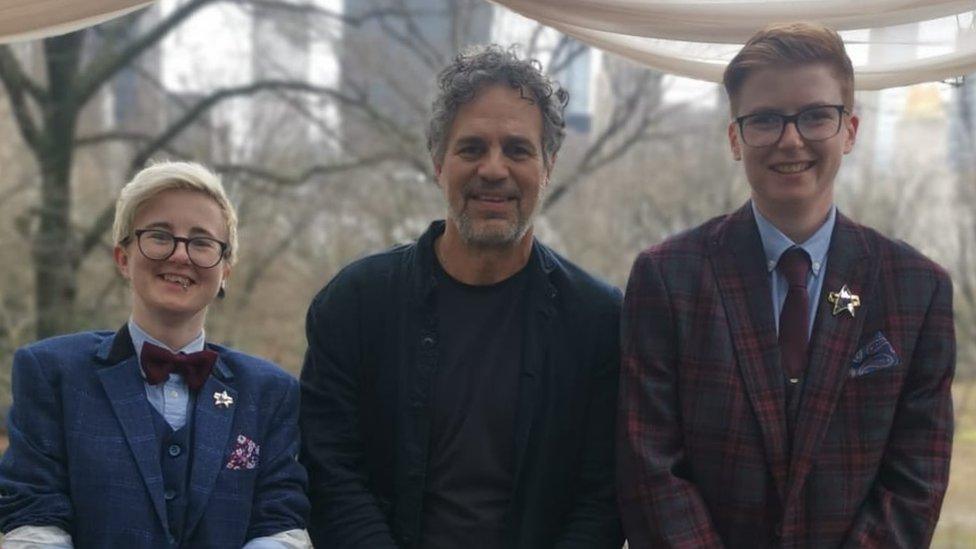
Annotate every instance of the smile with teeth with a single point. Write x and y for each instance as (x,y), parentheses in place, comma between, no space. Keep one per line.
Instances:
(489,198)
(792,167)
(177,279)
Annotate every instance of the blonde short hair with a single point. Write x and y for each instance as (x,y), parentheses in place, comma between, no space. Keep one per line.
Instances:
(165,176)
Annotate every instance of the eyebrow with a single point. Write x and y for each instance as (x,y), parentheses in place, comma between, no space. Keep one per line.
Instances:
(475,140)
(764,110)
(196,231)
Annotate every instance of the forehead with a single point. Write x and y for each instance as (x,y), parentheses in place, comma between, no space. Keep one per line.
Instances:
(182,209)
(789,88)
(498,111)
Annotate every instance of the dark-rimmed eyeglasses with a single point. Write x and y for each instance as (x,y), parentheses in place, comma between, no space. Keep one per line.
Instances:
(813,124)
(159,245)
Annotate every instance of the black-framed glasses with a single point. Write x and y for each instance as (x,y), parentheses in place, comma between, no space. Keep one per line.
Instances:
(158,245)
(814,124)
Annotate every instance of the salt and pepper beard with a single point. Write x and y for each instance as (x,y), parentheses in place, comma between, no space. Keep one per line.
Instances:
(491,238)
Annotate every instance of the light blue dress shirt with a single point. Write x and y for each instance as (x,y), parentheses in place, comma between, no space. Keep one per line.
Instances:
(172,397)
(774,243)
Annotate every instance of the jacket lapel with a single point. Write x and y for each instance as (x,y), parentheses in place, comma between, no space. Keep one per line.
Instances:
(738,264)
(535,355)
(211,434)
(126,391)
(832,343)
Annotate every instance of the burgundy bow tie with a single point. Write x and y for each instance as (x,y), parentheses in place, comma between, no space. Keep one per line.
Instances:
(159,363)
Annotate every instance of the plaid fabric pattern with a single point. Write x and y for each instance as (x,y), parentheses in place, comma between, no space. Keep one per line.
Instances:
(704,455)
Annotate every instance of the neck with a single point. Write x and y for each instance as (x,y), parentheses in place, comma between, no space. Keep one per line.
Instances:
(798,223)
(176,333)
(480,266)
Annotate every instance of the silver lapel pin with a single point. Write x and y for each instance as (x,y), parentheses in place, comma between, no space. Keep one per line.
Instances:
(223,399)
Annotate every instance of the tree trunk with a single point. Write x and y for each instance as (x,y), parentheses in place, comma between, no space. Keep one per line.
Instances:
(55,250)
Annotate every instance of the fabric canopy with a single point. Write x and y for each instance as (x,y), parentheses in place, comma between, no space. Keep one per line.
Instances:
(33,19)
(892,42)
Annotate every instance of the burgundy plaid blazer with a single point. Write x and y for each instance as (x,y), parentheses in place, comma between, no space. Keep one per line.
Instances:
(704,456)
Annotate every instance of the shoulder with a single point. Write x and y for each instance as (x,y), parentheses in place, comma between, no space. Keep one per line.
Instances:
(684,250)
(54,357)
(252,369)
(577,283)
(898,259)
(366,273)
(64,347)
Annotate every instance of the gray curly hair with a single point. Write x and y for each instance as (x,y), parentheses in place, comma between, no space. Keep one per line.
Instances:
(480,66)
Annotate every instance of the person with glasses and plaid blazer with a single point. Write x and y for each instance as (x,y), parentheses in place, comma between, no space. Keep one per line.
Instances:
(785,371)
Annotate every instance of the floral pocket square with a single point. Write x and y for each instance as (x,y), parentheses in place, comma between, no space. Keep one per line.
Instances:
(877,354)
(244,455)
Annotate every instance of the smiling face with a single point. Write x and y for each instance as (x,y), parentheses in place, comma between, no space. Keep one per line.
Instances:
(792,175)
(493,172)
(173,290)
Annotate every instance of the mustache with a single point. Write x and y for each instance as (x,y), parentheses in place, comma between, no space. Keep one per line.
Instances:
(478,186)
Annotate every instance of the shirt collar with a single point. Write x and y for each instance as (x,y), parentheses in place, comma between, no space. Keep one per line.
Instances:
(139,336)
(774,242)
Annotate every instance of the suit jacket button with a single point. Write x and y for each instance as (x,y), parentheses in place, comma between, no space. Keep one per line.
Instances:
(428,342)
(175,450)
(169,494)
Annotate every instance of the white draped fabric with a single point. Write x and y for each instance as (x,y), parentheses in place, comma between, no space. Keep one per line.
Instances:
(892,42)
(32,19)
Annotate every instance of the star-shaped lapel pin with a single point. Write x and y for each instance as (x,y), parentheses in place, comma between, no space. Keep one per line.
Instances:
(223,399)
(844,300)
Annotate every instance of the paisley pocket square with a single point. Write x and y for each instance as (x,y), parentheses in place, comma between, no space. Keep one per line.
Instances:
(244,455)
(876,354)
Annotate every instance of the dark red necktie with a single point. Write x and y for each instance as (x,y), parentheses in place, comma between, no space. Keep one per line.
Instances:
(158,363)
(794,319)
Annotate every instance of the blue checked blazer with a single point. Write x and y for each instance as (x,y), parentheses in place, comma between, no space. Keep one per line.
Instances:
(84,456)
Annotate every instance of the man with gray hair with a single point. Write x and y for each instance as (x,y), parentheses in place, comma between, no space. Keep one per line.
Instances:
(460,391)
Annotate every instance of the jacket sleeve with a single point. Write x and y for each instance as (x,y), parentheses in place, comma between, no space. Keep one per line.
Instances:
(903,506)
(345,513)
(659,504)
(594,521)
(280,503)
(33,471)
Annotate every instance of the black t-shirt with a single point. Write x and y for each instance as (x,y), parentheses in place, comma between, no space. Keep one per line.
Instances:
(471,464)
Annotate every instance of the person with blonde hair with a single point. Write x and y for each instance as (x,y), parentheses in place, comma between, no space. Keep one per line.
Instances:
(152,436)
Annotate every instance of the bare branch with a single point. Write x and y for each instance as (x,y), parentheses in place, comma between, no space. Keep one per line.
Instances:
(308,8)
(319,170)
(104,67)
(17,83)
(565,53)
(15,190)
(412,42)
(534,40)
(194,113)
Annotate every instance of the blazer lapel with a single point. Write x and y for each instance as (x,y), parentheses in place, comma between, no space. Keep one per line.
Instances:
(535,355)
(832,344)
(212,424)
(738,264)
(126,391)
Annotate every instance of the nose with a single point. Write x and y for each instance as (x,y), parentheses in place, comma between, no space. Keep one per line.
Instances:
(181,254)
(493,166)
(791,137)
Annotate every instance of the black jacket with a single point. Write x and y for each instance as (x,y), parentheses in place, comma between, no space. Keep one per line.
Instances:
(365,411)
